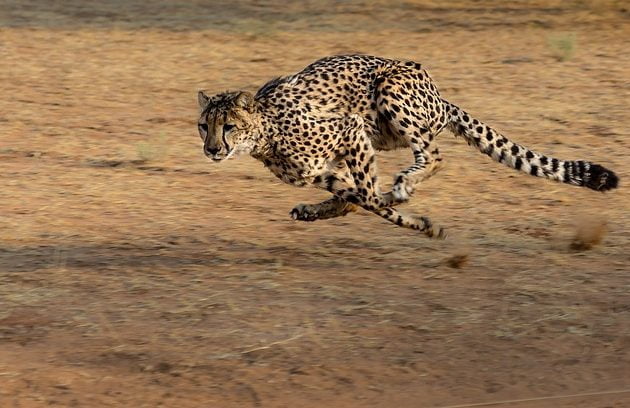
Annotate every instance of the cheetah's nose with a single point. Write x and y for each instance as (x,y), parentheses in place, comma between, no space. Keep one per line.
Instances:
(212,150)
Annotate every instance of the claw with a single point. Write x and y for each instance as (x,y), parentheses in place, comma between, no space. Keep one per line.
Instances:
(431,230)
(441,235)
(302,213)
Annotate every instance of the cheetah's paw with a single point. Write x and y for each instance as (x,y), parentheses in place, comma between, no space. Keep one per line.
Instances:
(402,190)
(431,230)
(304,212)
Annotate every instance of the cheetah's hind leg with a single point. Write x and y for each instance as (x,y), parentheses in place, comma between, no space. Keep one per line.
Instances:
(358,184)
(406,181)
(419,223)
(331,208)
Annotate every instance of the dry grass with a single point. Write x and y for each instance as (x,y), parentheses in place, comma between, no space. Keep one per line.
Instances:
(457,261)
(563,46)
(589,232)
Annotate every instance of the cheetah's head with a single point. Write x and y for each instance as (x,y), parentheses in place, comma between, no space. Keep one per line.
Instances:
(226,124)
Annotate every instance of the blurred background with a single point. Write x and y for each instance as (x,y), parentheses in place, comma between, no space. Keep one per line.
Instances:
(134,272)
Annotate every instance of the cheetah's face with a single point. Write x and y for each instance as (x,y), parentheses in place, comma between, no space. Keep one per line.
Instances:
(226,125)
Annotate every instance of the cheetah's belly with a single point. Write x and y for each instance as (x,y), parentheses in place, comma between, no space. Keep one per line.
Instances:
(297,174)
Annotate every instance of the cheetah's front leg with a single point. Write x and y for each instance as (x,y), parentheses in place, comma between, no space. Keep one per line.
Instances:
(331,208)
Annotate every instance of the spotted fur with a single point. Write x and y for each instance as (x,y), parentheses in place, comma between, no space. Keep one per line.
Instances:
(323,125)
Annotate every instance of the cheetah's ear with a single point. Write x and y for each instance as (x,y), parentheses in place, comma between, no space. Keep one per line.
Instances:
(203,99)
(244,99)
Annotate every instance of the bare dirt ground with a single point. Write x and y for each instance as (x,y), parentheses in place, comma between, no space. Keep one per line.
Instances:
(134,273)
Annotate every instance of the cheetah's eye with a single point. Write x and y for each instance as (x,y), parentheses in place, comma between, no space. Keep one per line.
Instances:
(227,127)
(203,127)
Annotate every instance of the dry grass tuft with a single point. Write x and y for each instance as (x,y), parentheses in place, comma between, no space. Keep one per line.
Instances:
(457,261)
(589,233)
(562,46)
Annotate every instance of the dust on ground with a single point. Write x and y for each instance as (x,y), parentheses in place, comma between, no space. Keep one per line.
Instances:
(135,273)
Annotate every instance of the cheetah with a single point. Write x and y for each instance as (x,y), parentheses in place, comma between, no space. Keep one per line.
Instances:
(322,127)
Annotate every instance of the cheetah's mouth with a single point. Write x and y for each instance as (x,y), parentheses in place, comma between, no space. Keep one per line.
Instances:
(221,156)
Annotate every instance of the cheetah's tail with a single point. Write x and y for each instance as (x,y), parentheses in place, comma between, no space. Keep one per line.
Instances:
(503,150)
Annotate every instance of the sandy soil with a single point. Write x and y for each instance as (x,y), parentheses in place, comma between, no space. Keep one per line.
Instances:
(133,273)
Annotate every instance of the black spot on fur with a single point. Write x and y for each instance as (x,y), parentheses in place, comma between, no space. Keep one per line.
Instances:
(555,164)
(568,171)
(489,150)
(352,199)
(330,181)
